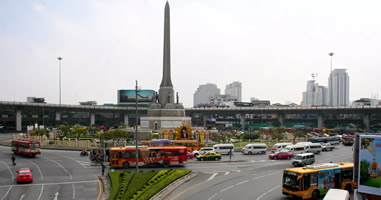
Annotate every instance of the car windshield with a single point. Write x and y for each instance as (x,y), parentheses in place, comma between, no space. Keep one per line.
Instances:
(298,157)
(290,180)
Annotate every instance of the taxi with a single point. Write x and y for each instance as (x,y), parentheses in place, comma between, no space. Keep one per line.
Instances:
(24,175)
(209,156)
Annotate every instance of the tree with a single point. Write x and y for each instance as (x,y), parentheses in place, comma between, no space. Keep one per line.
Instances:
(116,134)
(278,133)
(38,132)
(299,133)
(63,131)
(77,131)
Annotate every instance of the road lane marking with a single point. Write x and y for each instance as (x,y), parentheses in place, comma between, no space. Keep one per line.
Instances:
(22,196)
(73,192)
(227,173)
(258,177)
(213,196)
(38,168)
(42,189)
(273,173)
(61,183)
(227,188)
(7,192)
(211,177)
(62,168)
(100,189)
(13,177)
(242,182)
(56,196)
(261,196)
(274,188)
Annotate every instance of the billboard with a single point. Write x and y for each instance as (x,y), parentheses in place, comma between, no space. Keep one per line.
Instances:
(369,173)
(129,96)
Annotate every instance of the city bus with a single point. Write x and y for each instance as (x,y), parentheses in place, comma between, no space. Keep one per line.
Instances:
(333,140)
(163,155)
(25,147)
(314,181)
(191,145)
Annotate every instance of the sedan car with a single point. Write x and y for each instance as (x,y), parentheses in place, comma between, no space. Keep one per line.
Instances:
(24,175)
(281,155)
(209,156)
(190,155)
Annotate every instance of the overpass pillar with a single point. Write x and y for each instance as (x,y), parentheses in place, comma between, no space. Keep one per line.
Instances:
(58,116)
(320,121)
(18,120)
(204,118)
(92,118)
(366,120)
(281,119)
(243,122)
(126,119)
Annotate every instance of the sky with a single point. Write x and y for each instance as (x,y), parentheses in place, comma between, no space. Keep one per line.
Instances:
(271,46)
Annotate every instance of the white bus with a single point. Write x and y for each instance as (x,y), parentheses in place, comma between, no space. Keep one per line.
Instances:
(223,148)
(313,148)
(295,149)
(258,148)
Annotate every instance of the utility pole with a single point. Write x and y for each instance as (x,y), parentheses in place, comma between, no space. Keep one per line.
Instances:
(331,84)
(136,126)
(313,87)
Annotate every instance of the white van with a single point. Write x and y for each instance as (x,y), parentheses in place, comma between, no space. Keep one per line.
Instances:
(294,149)
(279,146)
(337,194)
(223,148)
(314,148)
(303,159)
(259,148)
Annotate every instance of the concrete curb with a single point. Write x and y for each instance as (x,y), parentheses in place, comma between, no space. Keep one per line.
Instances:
(221,161)
(171,187)
(106,187)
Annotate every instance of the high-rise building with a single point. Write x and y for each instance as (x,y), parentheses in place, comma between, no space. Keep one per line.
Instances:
(234,90)
(222,99)
(339,88)
(315,95)
(204,92)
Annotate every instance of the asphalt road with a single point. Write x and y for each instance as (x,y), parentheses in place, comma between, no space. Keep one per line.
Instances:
(257,178)
(56,175)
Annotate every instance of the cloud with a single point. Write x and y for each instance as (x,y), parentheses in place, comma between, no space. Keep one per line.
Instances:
(38,7)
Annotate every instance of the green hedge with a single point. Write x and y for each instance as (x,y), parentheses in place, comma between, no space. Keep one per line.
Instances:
(155,188)
(119,180)
(137,182)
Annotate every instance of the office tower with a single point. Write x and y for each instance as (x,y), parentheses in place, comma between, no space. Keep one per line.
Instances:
(234,89)
(204,92)
(339,87)
(315,95)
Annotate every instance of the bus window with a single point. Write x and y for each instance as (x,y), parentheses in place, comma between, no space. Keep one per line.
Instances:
(347,174)
(128,155)
(290,180)
(307,181)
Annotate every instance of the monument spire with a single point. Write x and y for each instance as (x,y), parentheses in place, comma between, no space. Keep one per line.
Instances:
(166,93)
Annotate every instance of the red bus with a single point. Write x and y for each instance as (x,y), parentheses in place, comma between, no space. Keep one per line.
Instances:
(163,155)
(25,147)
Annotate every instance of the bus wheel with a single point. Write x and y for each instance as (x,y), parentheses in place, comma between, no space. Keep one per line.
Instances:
(315,195)
(166,163)
(318,152)
(348,188)
(126,165)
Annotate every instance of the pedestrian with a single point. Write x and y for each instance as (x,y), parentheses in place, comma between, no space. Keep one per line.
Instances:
(103,169)
(13,160)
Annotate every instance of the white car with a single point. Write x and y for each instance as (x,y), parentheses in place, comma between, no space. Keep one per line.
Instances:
(326,147)
(202,151)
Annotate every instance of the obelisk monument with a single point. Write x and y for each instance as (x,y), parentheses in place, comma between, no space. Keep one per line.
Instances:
(165,114)
(166,93)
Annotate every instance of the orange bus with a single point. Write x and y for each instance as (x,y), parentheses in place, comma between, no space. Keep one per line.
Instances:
(163,155)
(25,147)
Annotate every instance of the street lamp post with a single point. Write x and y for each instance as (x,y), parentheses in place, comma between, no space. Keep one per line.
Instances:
(136,126)
(59,60)
(331,84)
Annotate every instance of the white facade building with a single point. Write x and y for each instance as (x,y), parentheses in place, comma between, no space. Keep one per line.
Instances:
(204,92)
(222,99)
(315,95)
(339,88)
(234,90)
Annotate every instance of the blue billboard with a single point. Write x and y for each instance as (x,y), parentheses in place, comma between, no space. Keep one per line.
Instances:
(129,96)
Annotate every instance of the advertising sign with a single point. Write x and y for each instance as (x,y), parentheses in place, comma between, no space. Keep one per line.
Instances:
(129,96)
(369,177)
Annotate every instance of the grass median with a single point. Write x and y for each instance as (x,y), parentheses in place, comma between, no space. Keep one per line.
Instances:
(141,185)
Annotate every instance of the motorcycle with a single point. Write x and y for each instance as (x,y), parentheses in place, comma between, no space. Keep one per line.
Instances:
(84,153)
